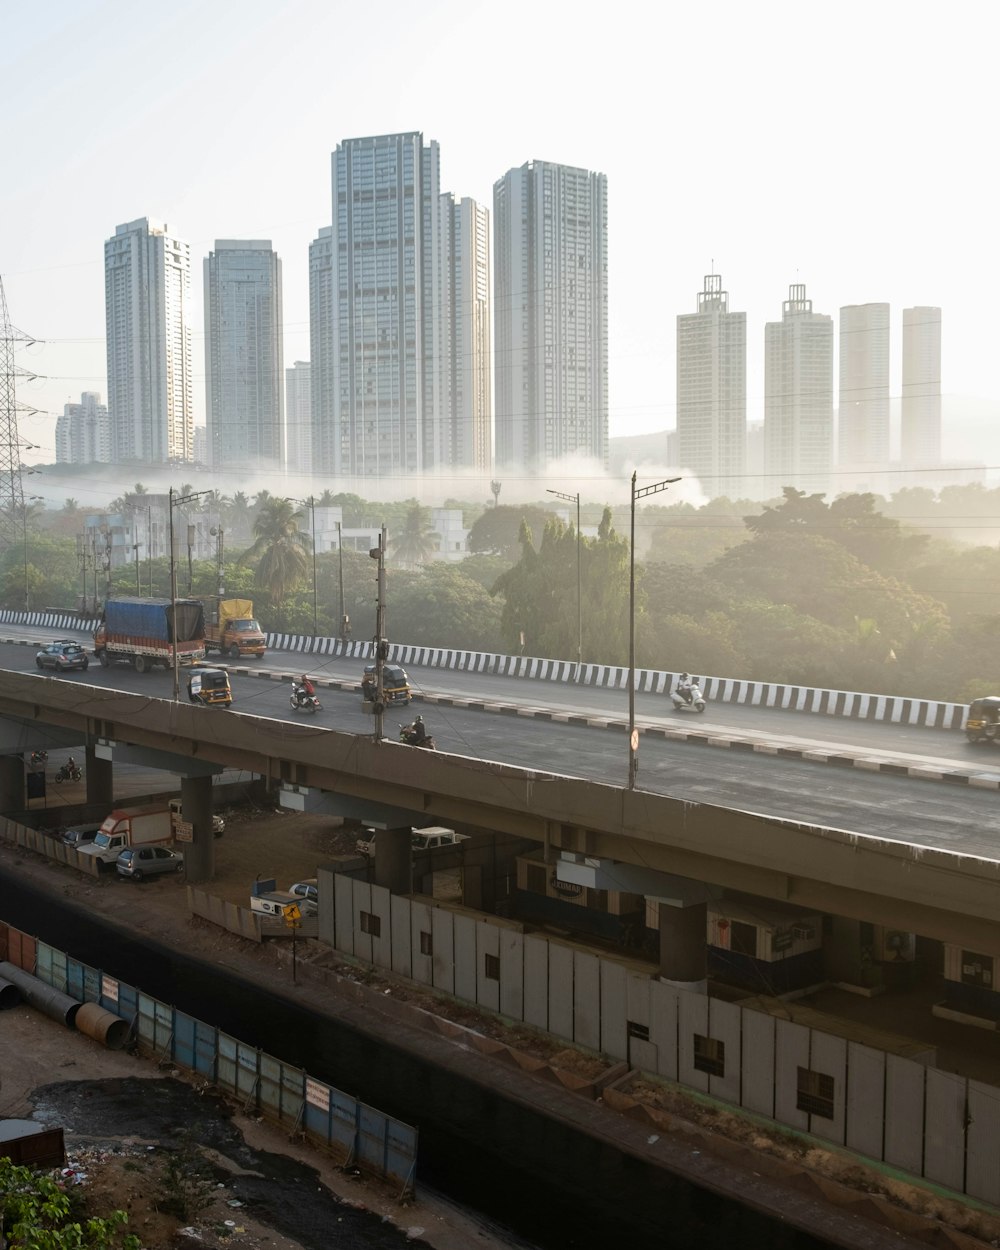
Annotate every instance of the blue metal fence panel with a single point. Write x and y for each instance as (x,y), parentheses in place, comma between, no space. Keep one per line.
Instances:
(184,1027)
(206,1047)
(371,1138)
(225,1068)
(344,1114)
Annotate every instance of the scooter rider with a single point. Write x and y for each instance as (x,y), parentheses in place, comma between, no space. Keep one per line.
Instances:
(683,687)
(304,689)
(417,732)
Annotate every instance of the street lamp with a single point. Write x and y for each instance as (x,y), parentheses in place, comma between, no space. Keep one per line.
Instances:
(633,733)
(345,624)
(28,499)
(172,501)
(579,591)
(310,503)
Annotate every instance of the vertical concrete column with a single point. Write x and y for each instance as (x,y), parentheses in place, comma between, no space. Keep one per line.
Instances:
(99,774)
(199,853)
(684,946)
(394,860)
(12,797)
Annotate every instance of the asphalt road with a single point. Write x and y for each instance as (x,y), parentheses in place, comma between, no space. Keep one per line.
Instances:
(933,814)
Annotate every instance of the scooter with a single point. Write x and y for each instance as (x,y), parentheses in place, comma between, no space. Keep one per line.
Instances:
(694,701)
(299,701)
(70,771)
(38,760)
(406,735)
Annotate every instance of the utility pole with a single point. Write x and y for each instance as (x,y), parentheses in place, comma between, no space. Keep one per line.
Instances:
(11,485)
(381,643)
(344,622)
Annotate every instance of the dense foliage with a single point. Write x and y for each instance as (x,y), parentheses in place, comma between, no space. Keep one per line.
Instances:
(36,1214)
(896,596)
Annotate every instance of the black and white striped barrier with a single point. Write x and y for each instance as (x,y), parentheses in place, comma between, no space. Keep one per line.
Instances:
(851,705)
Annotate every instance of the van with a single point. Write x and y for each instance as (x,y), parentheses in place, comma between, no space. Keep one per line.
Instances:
(79,835)
(420,839)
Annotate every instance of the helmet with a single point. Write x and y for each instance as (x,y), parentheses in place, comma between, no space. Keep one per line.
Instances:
(684,677)
(418,720)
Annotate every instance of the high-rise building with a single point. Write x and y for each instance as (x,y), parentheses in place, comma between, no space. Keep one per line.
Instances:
(551,315)
(798,396)
(322,404)
(920,426)
(147,278)
(384,296)
(298,419)
(712,392)
(83,432)
(863,400)
(244,373)
(461,435)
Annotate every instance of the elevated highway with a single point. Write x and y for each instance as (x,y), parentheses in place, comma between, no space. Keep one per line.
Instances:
(947,894)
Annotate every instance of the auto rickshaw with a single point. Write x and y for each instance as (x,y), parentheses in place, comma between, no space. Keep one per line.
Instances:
(395,685)
(983,721)
(210,686)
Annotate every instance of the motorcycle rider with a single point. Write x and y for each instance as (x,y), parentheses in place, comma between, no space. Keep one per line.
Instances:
(416,734)
(304,690)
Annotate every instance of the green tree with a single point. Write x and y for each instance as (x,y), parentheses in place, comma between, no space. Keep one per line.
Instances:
(417,539)
(443,607)
(281,551)
(35,1214)
(498,530)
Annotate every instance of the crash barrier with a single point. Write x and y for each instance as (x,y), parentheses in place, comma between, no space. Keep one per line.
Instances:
(239,920)
(358,1135)
(849,704)
(47,844)
(932,1124)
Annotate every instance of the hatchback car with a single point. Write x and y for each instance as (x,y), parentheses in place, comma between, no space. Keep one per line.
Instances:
(62,656)
(307,891)
(147,861)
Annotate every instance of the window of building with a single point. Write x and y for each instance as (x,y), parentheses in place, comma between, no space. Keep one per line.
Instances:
(639,1031)
(743,938)
(426,943)
(710,1055)
(977,970)
(491,967)
(371,924)
(814,1093)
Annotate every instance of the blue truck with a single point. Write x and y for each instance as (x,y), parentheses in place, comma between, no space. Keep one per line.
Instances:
(141,632)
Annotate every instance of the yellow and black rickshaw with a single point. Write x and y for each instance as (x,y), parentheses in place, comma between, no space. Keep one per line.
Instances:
(983,721)
(209,686)
(395,685)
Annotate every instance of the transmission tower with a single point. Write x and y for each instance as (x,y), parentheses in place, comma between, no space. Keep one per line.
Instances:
(11,482)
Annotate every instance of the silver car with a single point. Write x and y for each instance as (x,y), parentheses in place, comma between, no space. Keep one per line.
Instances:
(148,861)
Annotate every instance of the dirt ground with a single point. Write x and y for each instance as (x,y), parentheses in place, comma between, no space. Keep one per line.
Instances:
(262,841)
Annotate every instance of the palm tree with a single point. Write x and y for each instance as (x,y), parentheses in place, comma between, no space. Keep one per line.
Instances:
(416,541)
(280,549)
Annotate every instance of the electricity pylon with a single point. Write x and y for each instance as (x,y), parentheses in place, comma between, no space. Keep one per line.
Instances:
(11,481)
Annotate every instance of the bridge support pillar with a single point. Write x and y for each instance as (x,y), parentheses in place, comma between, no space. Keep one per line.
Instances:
(12,798)
(684,947)
(196,804)
(394,860)
(100,779)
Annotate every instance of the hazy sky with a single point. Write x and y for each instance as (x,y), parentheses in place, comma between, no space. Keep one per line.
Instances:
(848,147)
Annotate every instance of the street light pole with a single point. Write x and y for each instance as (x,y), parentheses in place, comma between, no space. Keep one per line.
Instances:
(310,503)
(340,552)
(633,733)
(172,501)
(579,585)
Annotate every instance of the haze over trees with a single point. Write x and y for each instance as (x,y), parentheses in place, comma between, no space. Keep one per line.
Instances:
(861,593)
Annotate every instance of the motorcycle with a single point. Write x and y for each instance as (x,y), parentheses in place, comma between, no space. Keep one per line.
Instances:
(407,735)
(70,771)
(299,701)
(690,701)
(38,760)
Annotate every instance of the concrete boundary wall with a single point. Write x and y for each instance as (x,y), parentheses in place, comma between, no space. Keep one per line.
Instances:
(848,704)
(882,1106)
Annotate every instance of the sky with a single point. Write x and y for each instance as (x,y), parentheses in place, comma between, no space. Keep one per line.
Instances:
(849,147)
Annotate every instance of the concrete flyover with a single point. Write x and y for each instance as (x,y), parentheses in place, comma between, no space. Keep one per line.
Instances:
(951,897)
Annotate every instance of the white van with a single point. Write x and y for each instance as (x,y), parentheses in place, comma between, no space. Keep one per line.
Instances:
(420,839)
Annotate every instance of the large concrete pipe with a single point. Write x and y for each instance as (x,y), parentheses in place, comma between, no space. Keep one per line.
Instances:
(103,1026)
(10,995)
(41,996)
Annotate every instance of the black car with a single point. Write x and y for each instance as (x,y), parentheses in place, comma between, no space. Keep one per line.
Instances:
(62,656)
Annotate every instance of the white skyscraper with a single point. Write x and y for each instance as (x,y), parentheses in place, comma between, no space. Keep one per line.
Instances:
(550,318)
(920,428)
(244,373)
(298,419)
(322,406)
(147,276)
(798,396)
(461,433)
(863,400)
(385,297)
(712,392)
(83,432)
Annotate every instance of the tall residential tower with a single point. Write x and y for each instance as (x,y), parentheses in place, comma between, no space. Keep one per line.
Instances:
(147,278)
(920,426)
(863,401)
(550,253)
(244,376)
(798,396)
(712,392)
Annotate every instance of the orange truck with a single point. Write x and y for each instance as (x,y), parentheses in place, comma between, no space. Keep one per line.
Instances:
(233,630)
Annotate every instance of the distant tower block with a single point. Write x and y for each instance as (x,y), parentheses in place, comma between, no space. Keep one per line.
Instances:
(920,427)
(863,403)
